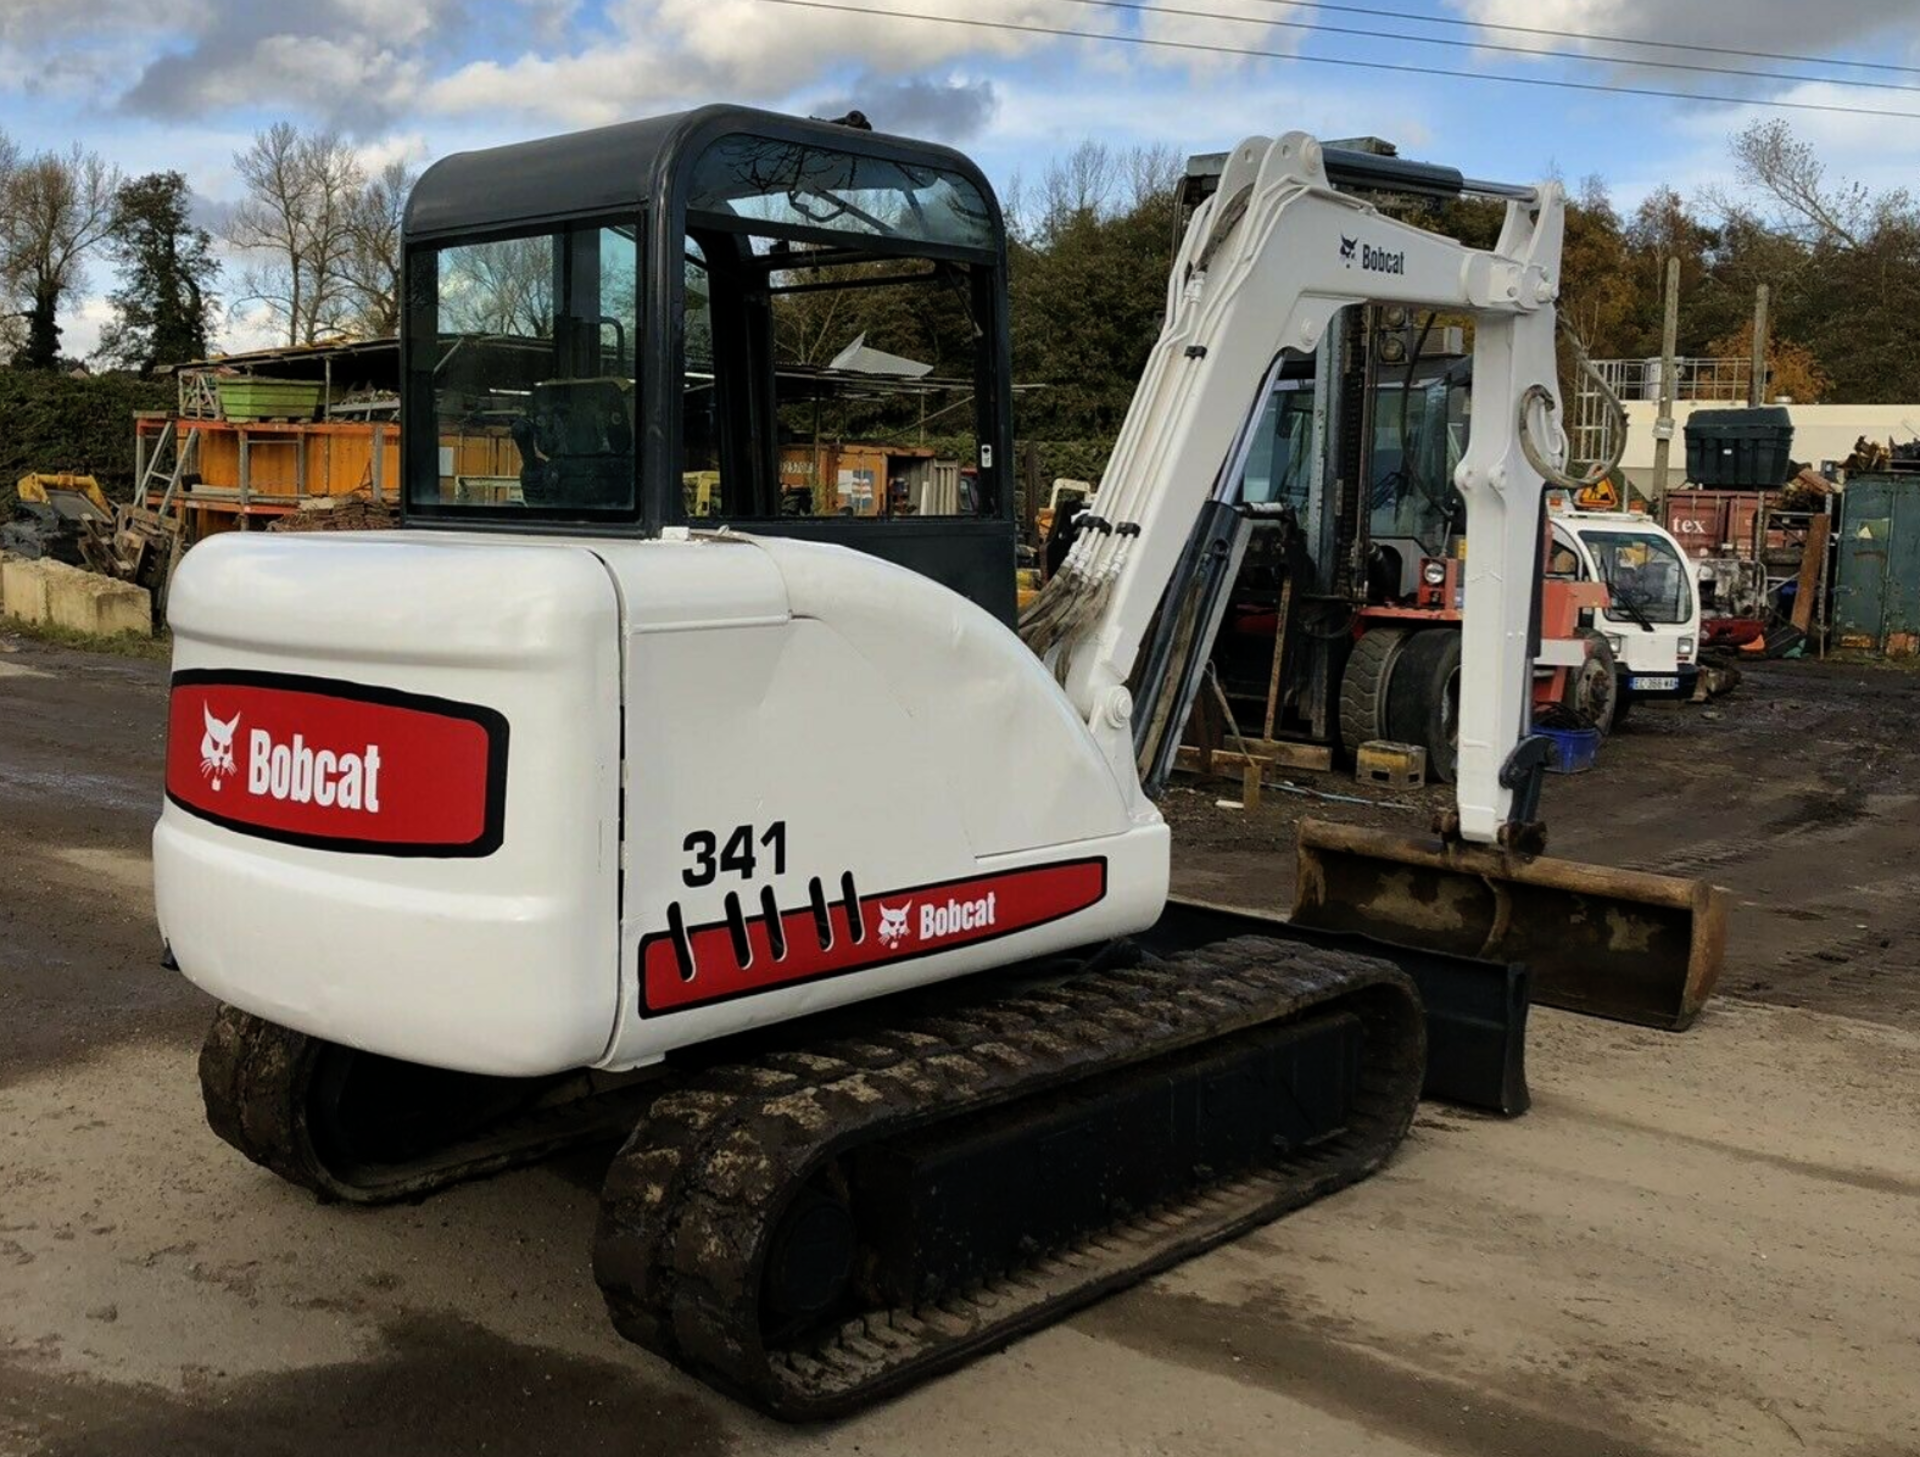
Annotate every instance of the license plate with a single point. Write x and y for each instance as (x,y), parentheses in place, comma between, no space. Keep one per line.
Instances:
(1653,685)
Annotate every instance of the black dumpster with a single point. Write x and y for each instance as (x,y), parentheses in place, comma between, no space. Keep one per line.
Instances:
(1731,449)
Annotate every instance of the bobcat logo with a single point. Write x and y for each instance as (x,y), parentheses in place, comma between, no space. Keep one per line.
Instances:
(1347,246)
(216,746)
(893,924)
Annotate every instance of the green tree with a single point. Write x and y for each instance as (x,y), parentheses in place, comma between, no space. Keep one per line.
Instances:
(1597,293)
(164,307)
(1089,287)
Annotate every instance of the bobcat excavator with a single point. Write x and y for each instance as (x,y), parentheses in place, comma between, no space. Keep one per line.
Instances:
(767,843)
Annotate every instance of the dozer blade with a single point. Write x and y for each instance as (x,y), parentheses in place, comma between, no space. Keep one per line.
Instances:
(1612,943)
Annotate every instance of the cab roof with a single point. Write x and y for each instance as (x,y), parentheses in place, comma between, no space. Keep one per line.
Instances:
(624,167)
(1635,519)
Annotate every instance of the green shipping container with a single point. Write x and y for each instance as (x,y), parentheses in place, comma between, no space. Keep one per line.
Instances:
(1876,584)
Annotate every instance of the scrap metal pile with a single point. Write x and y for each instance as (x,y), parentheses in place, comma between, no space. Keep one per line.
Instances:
(342,513)
(66,517)
(53,515)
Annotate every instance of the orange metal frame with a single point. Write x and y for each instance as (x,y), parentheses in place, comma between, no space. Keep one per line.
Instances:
(266,468)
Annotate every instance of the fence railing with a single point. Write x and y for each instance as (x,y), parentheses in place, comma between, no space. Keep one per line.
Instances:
(1694,379)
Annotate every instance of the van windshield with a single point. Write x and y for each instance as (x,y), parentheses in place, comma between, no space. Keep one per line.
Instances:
(1644,573)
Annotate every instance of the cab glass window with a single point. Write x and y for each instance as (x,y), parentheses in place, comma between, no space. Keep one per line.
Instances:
(1279,468)
(1563,560)
(779,184)
(526,346)
(1419,435)
(837,337)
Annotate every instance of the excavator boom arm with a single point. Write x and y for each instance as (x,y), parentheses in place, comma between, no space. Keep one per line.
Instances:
(1268,261)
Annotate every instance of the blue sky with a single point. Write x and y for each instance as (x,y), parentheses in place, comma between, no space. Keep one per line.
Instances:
(184,83)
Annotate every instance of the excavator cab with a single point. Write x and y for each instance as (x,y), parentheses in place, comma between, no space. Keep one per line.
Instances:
(725,318)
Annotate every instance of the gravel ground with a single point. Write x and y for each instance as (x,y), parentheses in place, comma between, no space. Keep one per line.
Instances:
(1691,1244)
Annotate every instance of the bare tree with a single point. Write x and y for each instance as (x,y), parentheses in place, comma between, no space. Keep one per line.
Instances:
(13,319)
(1082,183)
(1774,161)
(56,209)
(1093,182)
(372,261)
(1153,172)
(504,287)
(297,227)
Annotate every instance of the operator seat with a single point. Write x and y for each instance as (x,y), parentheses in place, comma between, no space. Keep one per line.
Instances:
(576,443)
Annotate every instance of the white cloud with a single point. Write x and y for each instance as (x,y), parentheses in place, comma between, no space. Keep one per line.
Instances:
(589,89)
(1748,24)
(948,109)
(354,63)
(35,24)
(1207,120)
(81,322)
(551,20)
(1235,34)
(1871,150)
(660,53)
(411,148)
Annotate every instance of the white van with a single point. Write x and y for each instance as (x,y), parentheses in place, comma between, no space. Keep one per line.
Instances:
(1653,622)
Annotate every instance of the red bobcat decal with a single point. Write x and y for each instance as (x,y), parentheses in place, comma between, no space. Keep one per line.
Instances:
(692,966)
(337,766)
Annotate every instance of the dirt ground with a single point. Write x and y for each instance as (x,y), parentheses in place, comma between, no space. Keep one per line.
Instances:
(1693,1244)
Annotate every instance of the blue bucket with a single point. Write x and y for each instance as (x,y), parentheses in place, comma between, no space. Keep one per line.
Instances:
(1574,749)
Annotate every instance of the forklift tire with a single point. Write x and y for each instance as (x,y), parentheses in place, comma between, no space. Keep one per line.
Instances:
(1363,687)
(1423,699)
(1595,689)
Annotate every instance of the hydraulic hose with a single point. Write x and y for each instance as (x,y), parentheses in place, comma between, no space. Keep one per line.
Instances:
(1542,395)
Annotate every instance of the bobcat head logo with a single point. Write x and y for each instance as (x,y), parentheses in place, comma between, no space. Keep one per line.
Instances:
(893,924)
(1347,247)
(216,746)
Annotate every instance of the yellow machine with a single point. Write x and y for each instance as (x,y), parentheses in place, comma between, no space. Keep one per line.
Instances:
(61,515)
(43,487)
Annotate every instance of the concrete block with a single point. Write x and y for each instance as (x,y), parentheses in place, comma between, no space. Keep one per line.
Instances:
(88,602)
(23,589)
(44,591)
(1390,765)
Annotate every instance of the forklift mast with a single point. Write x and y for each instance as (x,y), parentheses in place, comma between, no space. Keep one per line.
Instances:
(1299,544)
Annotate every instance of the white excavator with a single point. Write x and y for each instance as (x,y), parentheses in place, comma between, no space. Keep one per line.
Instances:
(758,837)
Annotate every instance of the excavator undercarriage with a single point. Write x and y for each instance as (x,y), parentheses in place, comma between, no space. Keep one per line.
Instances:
(819,1216)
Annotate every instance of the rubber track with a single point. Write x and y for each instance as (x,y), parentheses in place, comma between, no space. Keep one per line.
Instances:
(256,1079)
(691,1202)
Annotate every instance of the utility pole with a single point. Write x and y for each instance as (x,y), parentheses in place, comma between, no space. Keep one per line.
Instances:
(1757,379)
(1663,421)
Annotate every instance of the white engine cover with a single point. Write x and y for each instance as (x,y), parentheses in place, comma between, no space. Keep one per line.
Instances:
(498,959)
(399,765)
